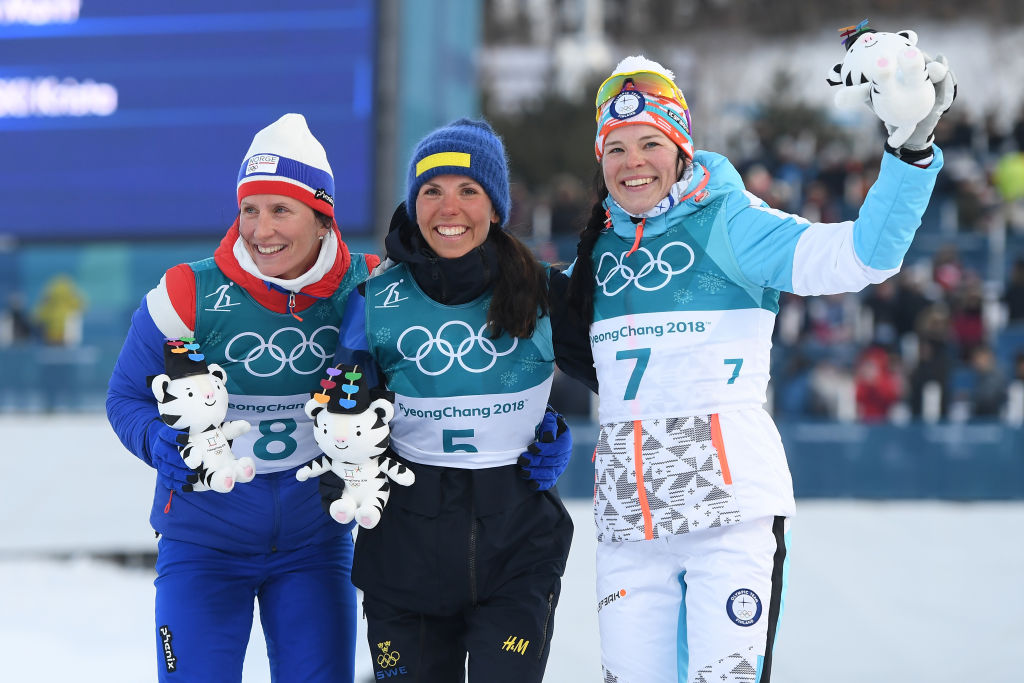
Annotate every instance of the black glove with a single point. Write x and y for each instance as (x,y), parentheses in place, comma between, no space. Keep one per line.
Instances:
(164,444)
(331,488)
(547,457)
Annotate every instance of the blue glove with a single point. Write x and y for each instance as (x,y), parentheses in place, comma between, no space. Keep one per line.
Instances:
(547,457)
(163,445)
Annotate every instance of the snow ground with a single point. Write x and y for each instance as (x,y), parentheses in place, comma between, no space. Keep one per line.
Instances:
(907,591)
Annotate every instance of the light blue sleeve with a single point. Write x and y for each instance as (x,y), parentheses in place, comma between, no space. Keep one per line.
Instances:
(789,253)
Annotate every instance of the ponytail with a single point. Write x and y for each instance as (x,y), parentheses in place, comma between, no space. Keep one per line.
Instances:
(520,289)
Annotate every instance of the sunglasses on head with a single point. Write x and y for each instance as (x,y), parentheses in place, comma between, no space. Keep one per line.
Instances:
(647,82)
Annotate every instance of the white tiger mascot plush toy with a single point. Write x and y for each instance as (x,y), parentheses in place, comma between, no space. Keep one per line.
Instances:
(352,431)
(889,73)
(192,396)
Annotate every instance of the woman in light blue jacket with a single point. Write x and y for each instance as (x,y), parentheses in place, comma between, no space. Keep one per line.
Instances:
(677,280)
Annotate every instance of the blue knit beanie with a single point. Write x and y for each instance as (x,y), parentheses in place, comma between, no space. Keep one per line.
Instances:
(464,147)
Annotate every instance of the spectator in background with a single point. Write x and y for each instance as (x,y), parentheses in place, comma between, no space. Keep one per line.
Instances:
(947,272)
(831,390)
(1013,296)
(1008,178)
(882,301)
(966,315)
(878,384)
(59,312)
(934,359)
(1018,367)
(911,299)
(832,319)
(989,392)
(568,206)
(15,324)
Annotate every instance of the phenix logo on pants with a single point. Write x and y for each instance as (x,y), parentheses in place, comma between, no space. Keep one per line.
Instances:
(169,659)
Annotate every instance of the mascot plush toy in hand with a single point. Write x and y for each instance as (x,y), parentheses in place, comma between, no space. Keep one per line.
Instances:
(351,428)
(193,397)
(887,72)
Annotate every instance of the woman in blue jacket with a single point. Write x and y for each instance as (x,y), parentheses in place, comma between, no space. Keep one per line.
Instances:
(266,308)
(463,330)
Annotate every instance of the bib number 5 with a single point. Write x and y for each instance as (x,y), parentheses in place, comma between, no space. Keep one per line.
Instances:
(448,437)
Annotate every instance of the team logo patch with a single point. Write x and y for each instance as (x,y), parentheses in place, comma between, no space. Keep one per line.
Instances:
(743,607)
(322,195)
(262,163)
(609,599)
(387,660)
(170,661)
(675,117)
(627,104)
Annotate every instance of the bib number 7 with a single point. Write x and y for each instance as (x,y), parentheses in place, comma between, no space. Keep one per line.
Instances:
(642,356)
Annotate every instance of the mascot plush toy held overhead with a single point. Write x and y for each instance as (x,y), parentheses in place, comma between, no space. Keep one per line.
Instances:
(887,72)
(351,428)
(193,397)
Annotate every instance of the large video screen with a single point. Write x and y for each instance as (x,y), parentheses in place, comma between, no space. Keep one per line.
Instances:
(125,118)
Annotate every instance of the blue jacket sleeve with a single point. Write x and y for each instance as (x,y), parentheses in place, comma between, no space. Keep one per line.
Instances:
(131,406)
(353,346)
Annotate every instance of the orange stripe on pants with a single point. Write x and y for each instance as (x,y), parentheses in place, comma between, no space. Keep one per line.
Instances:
(638,466)
(716,441)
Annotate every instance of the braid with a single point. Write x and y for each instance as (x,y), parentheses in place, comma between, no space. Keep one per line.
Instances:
(581,283)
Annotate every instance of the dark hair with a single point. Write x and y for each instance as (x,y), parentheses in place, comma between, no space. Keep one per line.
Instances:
(520,289)
(580,294)
(323,219)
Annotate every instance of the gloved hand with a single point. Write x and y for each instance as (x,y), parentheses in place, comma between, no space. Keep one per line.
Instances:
(164,443)
(921,139)
(331,488)
(547,457)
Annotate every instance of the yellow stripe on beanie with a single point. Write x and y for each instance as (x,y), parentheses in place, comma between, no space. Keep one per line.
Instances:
(442,159)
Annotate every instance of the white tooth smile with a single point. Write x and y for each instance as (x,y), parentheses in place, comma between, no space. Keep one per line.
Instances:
(636,182)
(268,250)
(451,230)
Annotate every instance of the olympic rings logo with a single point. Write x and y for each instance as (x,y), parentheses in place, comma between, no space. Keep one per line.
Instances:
(449,350)
(629,276)
(275,349)
(388,659)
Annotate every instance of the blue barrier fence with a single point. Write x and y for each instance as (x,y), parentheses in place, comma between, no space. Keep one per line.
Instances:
(970,461)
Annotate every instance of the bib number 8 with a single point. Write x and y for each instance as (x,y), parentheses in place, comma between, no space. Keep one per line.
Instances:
(276,442)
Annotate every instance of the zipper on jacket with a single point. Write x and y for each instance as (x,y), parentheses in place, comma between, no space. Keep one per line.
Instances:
(547,624)
(291,306)
(472,553)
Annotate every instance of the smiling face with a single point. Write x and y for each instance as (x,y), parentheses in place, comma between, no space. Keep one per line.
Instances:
(281,234)
(454,214)
(640,165)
